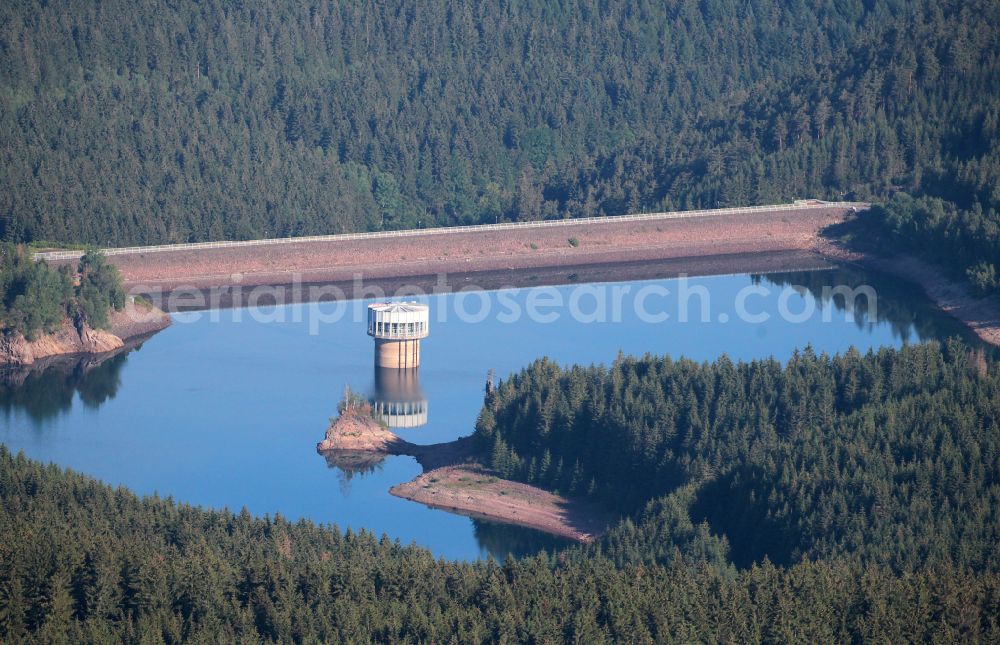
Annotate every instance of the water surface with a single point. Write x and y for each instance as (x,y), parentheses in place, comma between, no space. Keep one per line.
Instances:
(226,413)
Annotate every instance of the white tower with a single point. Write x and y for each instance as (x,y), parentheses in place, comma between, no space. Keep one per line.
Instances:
(397,328)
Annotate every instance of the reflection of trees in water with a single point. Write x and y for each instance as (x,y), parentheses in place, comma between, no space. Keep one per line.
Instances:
(501,540)
(45,390)
(353,463)
(101,383)
(901,305)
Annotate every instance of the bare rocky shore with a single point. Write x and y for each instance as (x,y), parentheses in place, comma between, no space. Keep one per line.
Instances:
(980,315)
(136,320)
(453,481)
(475,491)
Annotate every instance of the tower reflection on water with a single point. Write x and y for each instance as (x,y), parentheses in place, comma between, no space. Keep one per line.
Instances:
(398,400)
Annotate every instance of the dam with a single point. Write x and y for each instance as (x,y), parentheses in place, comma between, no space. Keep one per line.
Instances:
(397,328)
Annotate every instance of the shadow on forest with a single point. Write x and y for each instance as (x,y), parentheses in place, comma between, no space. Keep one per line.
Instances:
(735,506)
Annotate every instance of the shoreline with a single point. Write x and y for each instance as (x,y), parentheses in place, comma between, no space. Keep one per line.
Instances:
(453,481)
(127,329)
(15,375)
(981,316)
(475,491)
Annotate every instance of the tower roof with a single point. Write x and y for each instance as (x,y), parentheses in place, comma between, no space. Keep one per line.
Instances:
(398,307)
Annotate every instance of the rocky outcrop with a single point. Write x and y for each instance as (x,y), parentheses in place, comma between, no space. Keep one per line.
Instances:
(357,431)
(15,349)
(136,320)
(62,368)
(356,443)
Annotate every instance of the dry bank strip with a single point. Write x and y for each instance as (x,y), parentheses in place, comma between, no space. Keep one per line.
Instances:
(69,342)
(758,239)
(717,241)
(452,480)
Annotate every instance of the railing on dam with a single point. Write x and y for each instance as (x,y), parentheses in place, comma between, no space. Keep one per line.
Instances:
(191,246)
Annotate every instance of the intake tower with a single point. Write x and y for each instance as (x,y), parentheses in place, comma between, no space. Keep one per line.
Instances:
(397,328)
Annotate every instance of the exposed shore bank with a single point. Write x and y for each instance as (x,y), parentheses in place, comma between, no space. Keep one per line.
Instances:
(77,365)
(608,250)
(454,482)
(727,238)
(980,315)
(135,321)
(477,492)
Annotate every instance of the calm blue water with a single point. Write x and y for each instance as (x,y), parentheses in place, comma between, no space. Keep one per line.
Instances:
(227,413)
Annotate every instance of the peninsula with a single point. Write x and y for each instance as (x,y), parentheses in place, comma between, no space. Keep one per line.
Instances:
(453,479)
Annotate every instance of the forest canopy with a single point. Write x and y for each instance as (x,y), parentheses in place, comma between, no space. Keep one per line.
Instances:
(965,242)
(851,498)
(891,457)
(173,122)
(830,499)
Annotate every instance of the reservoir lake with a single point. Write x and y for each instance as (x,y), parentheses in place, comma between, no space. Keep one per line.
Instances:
(224,409)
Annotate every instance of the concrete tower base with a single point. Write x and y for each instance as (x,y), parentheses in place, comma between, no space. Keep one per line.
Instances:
(397,354)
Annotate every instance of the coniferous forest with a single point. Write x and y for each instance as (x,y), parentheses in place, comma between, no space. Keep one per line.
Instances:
(890,458)
(36,298)
(845,498)
(836,499)
(173,122)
